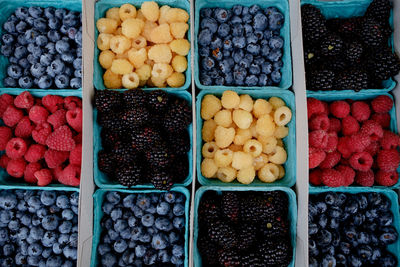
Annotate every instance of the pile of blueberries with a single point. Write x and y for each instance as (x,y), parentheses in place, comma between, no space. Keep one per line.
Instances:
(351,230)
(240,46)
(38,228)
(44,48)
(142,229)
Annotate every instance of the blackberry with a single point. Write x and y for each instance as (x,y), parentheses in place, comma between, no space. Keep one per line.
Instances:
(228,258)
(246,234)
(105,161)
(134,118)
(275,252)
(230,206)
(251,208)
(334,63)
(179,168)
(275,228)
(350,28)
(320,80)
(160,179)
(178,116)
(279,201)
(353,52)
(352,79)
(371,33)
(159,157)
(157,101)
(208,250)
(209,209)
(223,234)
(129,174)
(110,120)
(383,64)
(148,136)
(313,23)
(379,10)
(251,259)
(331,45)
(179,142)
(312,56)
(107,100)
(134,98)
(124,153)
(109,138)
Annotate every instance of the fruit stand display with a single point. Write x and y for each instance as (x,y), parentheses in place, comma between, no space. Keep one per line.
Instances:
(199,133)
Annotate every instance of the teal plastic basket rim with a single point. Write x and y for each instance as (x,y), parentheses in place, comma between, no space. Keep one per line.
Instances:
(292,214)
(391,83)
(98,196)
(97,146)
(47,188)
(287,69)
(289,141)
(361,96)
(390,194)
(99,71)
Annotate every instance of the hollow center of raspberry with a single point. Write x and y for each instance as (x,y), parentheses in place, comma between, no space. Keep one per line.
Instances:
(252,148)
(211,149)
(138,42)
(17,146)
(361,161)
(127,11)
(282,116)
(132,79)
(117,45)
(159,71)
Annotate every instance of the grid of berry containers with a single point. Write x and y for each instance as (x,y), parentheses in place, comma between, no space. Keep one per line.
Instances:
(354,156)
(40,131)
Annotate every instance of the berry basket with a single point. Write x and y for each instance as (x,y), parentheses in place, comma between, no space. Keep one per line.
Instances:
(290,141)
(292,216)
(282,6)
(390,194)
(8,7)
(103,181)
(100,10)
(348,9)
(5,179)
(98,197)
(359,96)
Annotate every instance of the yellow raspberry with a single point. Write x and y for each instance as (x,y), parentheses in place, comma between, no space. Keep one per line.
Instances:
(106,58)
(209,149)
(208,168)
(132,28)
(265,125)
(113,13)
(161,34)
(230,99)
(180,46)
(207,132)
(106,25)
(226,174)
(210,105)
(121,66)
(160,53)
(246,103)
(179,63)
(163,13)
(150,10)
(158,82)
(223,118)
(176,80)
(130,80)
(261,107)
(276,102)
(260,161)
(119,44)
(127,11)
(241,160)
(177,15)
(179,29)
(149,26)
(112,80)
(139,42)
(242,118)
(161,71)
(224,136)
(246,175)
(137,57)
(103,41)
(144,72)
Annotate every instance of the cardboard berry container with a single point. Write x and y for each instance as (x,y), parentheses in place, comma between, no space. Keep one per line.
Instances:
(103,181)
(101,8)
(7,7)
(390,194)
(98,198)
(282,6)
(5,178)
(360,96)
(290,141)
(292,214)
(348,9)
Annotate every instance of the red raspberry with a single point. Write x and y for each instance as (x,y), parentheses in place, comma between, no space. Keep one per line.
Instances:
(57,172)
(55,158)
(315,157)
(382,104)
(24,100)
(372,129)
(331,160)
(388,160)
(326,108)
(74,119)
(365,178)
(319,122)
(390,140)
(314,106)
(373,148)
(350,125)
(332,178)
(382,118)
(61,139)
(343,147)
(5,101)
(344,162)
(78,138)
(30,170)
(57,119)
(332,142)
(5,136)
(71,175)
(72,102)
(35,153)
(12,116)
(358,142)
(44,177)
(16,167)
(16,148)
(53,102)
(318,139)
(348,174)
(360,110)
(41,132)
(361,161)
(315,177)
(334,125)
(24,128)
(38,114)
(339,109)
(387,178)
(4,161)
(75,156)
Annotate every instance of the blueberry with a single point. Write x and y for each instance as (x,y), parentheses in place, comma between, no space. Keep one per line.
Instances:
(48,198)
(68,57)
(226,65)
(313,248)
(362,201)
(237,31)
(251,80)
(388,235)
(77,63)
(176,260)
(328,261)
(62,46)
(103,249)
(275,55)
(208,63)
(35,12)
(260,22)
(78,38)
(68,71)
(219,80)
(9,26)
(4,235)
(20,259)
(204,51)
(35,249)
(120,225)
(277,65)
(37,70)
(388,260)
(205,79)
(22,233)
(128,201)
(178,251)
(275,42)
(237,55)
(262,79)
(245,62)
(137,211)
(210,24)
(49,238)
(163,224)
(13,225)
(36,220)
(47,252)
(21,26)
(45,82)
(71,33)
(236,20)
(239,42)
(65,227)
(251,38)
(8,39)
(61,81)
(216,43)
(30,36)
(159,242)
(15,72)
(46,59)
(163,256)
(9,82)
(49,12)
(21,13)
(223,30)
(73,240)
(253,49)
(206,12)
(70,20)
(217,54)
(254,9)
(276,20)
(213,73)
(222,15)
(140,251)
(23,247)
(40,24)
(64,29)
(239,76)
(385,219)
(354,261)
(248,29)
(13,60)
(351,207)
(63,202)
(247,19)
(60,13)
(237,10)
(6,50)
